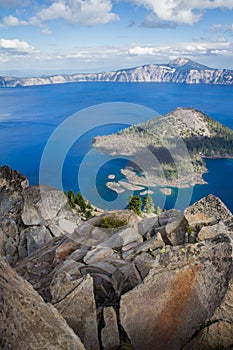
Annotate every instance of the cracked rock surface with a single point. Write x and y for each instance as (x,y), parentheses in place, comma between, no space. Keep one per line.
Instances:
(157,283)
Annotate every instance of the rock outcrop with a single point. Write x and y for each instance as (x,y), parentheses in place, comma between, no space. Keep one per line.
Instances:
(181,70)
(162,290)
(30,216)
(119,281)
(27,322)
(176,299)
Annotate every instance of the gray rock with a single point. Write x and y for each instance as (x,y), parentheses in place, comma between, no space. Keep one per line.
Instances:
(97,254)
(12,184)
(208,211)
(67,226)
(169,216)
(78,254)
(130,235)
(27,322)
(61,286)
(173,301)
(110,334)
(144,262)
(90,234)
(175,230)
(217,333)
(42,204)
(22,251)
(147,224)
(39,267)
(125,278)
(70,266)
(155,242)
(35,237)
(10,247)
(9,239)
(103,267)
(79,310)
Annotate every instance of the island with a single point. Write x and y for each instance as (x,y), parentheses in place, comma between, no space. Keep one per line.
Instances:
(115,186)
(172,148)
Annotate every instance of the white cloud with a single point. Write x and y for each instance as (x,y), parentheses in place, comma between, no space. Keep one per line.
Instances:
(12,21)
(184,49)
(89,12)
(151,21)
(15,45)
(182,11)
(142,51)
(226,28)
(216,27)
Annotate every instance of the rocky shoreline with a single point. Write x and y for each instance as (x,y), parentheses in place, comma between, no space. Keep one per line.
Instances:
(164,282)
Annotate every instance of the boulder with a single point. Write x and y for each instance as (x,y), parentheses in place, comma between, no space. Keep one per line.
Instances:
(176,299)
(125,278)
(35,237)
(109,334)
(208,211)
(9,239)
(169,216)
(42,204)
(97,254)
(154,243)
(39,267)
(211,231)
(90,233)
(175,230)
(79,310)
(148,224)
(144,262)
(27,322)
(61,285)
(12,184)
(217,333)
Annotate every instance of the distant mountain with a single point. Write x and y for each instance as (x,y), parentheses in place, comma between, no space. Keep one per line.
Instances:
(180,70)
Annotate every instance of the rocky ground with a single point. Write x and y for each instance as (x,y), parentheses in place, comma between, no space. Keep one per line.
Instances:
(163,282)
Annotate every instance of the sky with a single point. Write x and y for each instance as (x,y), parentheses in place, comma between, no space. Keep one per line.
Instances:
(68,36)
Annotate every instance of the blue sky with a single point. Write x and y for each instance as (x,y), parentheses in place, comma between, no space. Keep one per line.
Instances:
(101,35)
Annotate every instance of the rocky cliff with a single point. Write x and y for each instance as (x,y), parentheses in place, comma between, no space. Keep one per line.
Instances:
(180,70)
(163,282)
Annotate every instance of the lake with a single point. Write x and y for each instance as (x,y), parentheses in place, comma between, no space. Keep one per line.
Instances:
(30,115)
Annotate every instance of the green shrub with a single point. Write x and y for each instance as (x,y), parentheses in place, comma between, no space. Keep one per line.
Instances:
(111,221)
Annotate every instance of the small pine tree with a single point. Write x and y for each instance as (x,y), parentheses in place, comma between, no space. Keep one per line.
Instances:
(148,204)
(135,204)
(158,210)
(71,198)
(79,200)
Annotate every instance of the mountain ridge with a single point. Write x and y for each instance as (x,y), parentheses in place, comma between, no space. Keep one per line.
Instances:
(179,70)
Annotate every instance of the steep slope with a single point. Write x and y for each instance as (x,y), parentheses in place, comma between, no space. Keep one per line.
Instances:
(180,70)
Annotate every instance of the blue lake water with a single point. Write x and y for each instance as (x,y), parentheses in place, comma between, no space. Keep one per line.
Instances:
(29,116)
